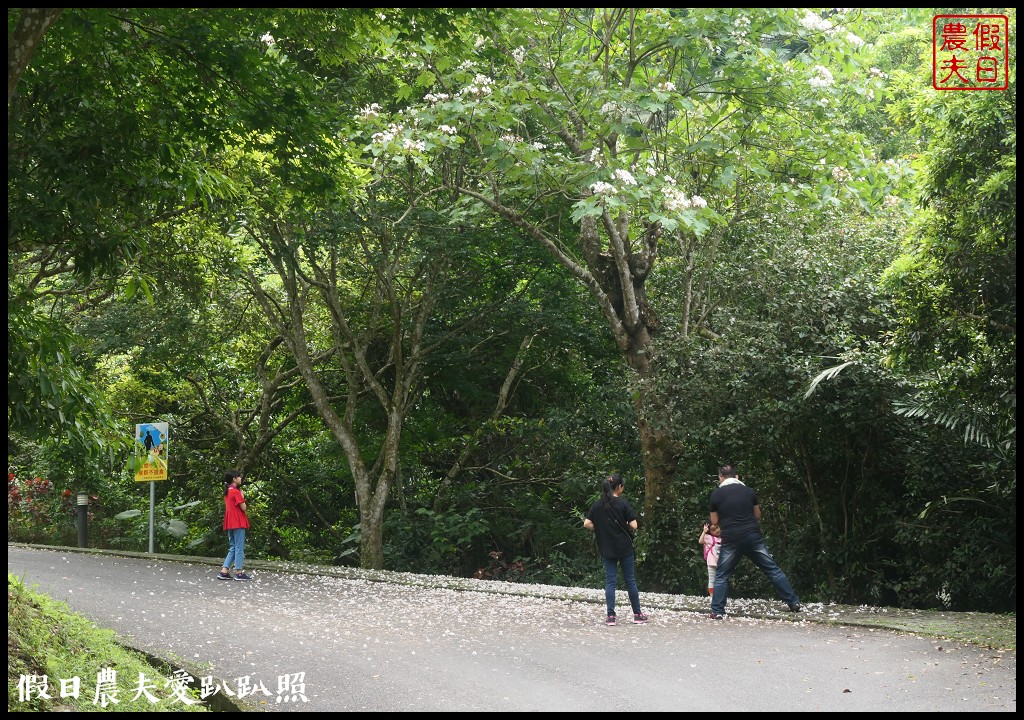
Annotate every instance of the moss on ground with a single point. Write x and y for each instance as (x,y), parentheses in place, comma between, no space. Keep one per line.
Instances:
(48,646)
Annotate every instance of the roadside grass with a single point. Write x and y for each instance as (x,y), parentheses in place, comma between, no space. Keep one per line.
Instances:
(48,646)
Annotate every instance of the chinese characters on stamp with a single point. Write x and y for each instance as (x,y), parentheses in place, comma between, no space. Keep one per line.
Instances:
(970,52)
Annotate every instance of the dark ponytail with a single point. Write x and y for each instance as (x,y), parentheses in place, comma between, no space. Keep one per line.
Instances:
(229,478)
(608,487)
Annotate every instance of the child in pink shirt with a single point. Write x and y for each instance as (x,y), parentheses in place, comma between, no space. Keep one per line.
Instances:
(711,539)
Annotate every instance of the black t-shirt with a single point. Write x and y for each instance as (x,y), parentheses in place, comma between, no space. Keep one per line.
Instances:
(734,503)
(611,524)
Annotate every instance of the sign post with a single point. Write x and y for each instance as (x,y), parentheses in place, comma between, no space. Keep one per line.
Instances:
(151,462)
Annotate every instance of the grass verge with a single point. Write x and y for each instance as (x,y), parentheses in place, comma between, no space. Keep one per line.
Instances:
(55,659)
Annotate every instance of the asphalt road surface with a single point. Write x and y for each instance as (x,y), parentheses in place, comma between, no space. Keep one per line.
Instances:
(319,643)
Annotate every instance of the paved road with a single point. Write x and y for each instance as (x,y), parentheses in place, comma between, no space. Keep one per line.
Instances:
(379,646)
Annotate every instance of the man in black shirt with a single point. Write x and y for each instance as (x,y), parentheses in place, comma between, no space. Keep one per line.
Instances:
(735,508)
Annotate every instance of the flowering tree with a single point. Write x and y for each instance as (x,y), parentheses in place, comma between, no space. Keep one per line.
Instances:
(615,138)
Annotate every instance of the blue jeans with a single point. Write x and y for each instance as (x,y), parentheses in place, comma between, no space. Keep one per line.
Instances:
(236,549)
(754,547)
(611,578)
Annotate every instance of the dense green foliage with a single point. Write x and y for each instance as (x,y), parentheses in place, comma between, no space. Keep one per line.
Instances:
(427,280)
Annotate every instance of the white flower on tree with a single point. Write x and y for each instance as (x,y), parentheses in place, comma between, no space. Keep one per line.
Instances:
(676,200)
(840,175)
(823,78)
(813,21)
(480,87)
(371,110)
(625,176)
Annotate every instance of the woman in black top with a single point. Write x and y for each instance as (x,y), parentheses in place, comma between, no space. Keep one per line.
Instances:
(611,518)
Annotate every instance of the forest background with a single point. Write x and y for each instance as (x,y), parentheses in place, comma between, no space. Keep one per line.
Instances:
(426,276)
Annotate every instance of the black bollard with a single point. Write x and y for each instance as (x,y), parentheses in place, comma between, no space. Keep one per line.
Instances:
(83,520)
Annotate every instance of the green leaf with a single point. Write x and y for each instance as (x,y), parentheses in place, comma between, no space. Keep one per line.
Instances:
(175,527)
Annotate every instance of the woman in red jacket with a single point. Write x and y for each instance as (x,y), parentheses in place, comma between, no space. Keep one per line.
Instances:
(236,522)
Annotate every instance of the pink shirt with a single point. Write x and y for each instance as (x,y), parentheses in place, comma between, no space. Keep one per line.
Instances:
(712,546)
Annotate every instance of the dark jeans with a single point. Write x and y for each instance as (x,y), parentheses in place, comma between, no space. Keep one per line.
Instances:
(611,578)
(754,547)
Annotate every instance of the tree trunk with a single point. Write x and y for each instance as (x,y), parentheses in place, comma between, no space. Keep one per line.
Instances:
(23,41)
(371,524)
(394,391)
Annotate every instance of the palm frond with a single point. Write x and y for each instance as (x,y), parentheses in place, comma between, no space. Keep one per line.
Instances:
(949,419)
(826,374)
